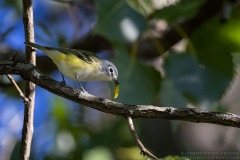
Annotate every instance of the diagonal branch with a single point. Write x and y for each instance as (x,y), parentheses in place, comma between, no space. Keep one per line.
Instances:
(21,94)
(144,151)
(31,73)
(11,79)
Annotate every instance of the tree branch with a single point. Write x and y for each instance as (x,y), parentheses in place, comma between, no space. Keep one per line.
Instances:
(11,79)
(28,127)
(25,99)
(144,151)
(31,73)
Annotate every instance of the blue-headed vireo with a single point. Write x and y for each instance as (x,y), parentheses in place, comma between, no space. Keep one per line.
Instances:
(81,65)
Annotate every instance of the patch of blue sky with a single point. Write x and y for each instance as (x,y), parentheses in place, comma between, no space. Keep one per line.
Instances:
(49,28)
(11,116)
(61,23)
(6,15)
(87,20)
(42,106)
(16,37)
(44,139)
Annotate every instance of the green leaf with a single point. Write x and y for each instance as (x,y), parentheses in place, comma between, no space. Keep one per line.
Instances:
(214,44)
(117,21)
(209,73)
(16,5)
(236,60)
(139,83)
(170,96)
(199,84)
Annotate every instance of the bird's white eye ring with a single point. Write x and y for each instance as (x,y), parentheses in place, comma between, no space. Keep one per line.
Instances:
(111,69)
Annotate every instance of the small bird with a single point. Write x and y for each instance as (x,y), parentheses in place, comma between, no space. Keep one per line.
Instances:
(81,65)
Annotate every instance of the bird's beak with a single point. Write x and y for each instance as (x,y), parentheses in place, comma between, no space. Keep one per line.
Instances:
(115,81)
(116,88)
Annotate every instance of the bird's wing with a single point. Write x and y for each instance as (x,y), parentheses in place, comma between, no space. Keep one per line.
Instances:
(84,55)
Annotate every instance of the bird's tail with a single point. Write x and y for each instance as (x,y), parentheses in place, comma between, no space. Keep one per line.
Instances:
(34,45)
(49,51)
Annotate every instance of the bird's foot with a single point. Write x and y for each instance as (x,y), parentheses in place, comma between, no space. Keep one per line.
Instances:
(82,89)
(82,92)
(63,83)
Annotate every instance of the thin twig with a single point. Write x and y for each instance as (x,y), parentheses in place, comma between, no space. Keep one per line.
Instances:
(144,151)
(11,79)
(13,57)
(27,132)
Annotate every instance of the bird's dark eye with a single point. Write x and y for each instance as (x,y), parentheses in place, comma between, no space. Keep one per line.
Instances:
(111,69)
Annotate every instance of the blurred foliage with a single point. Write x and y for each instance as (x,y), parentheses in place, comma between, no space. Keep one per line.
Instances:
(168,88)
(182,10)
(136,78)
(199,74)
(115,19)
(175,158)
(184,67)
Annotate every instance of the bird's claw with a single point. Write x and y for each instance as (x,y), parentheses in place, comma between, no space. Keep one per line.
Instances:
(82,92)
(63,83)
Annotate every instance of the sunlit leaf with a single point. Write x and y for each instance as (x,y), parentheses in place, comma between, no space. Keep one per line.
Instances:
(181,9)
(143,7)
(99,153)
(130,153)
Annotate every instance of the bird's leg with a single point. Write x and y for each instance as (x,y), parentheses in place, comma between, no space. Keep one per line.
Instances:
(81,87)
(63,82)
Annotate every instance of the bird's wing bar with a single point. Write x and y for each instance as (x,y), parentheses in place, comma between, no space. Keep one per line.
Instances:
(84,55)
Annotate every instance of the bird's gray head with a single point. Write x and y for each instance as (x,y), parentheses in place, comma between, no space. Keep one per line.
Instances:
(110,71)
